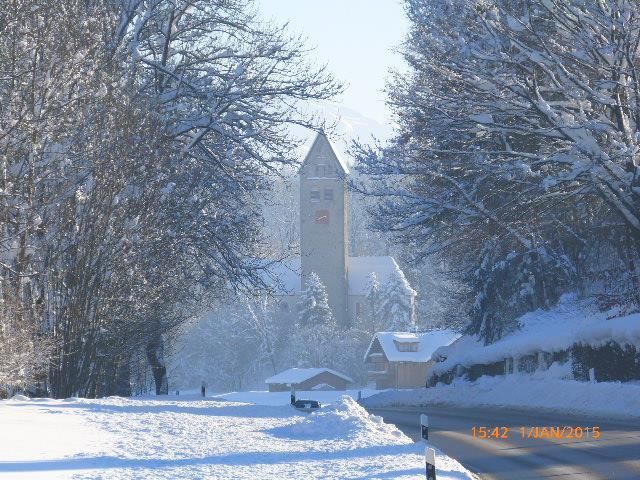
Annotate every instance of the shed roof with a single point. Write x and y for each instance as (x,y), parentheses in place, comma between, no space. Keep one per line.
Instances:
(298,375)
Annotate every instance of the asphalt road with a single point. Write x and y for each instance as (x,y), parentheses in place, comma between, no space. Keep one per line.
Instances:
(613,456)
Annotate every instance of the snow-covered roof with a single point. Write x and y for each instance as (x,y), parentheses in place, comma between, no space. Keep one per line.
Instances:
(285,275)
(404,337)
(428,342)
(555,330)
(297,375)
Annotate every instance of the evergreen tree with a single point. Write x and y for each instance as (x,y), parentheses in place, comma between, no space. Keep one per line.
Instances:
(372,320)
(396,303)
(314,304)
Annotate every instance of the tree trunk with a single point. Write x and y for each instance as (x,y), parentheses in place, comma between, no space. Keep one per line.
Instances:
(155,356)
(123,379)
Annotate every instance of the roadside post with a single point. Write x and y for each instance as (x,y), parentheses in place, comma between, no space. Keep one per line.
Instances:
(430,461)
(592,375)
(429,453)
(424,427)
(293,395)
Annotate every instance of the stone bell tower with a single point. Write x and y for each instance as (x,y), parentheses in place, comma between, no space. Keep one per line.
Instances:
(323,222)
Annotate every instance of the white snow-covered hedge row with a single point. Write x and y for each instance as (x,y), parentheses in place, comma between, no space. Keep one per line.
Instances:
(556,330)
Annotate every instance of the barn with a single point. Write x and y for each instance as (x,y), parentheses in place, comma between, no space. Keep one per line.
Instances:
(308,379)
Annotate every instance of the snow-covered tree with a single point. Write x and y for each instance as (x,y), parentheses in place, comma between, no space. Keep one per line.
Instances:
(134,143)
(314,307)
(371,320)
(516,136)
(269,326)
(397,302)
(221,349)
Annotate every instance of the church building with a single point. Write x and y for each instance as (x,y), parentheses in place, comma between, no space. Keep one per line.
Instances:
(324,211)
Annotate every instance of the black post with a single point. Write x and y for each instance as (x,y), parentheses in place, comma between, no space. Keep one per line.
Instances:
(293,395)
(430,462)
(203,389)
(424,427)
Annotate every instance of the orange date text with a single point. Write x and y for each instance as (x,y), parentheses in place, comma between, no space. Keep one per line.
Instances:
(549,432)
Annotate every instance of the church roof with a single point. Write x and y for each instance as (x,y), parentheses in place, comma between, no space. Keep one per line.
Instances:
(428,342)
(285,275)
(322,138)
(359,269)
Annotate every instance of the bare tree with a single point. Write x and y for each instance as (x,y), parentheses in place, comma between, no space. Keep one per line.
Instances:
(135,141)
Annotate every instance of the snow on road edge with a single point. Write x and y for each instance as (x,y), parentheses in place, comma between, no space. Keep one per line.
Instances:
(612,400)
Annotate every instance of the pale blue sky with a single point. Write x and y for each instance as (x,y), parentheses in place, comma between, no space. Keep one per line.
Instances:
(355,38)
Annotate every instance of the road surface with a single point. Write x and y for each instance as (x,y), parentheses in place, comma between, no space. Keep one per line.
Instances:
(613,456)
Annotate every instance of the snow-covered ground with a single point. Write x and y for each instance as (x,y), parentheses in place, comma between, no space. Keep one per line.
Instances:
(540,391)
(187,437)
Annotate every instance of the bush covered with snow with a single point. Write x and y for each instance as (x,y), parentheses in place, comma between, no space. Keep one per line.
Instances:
(572,329)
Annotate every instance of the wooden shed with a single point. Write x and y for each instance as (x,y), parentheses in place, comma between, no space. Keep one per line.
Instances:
(308,379)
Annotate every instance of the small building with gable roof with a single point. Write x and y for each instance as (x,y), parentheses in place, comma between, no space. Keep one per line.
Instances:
(308,379)
(402,359)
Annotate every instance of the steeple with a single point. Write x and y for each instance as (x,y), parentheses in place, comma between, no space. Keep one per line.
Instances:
(323,222)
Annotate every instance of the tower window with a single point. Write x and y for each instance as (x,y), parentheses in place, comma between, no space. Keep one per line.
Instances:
(322,216)
(315,195)
(328,193)
(323,170)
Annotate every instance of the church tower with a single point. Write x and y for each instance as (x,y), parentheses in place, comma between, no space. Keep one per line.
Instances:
(323,222)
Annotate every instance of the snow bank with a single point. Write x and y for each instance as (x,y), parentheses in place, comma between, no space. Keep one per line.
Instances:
(540,391)
(20,398)
(555,330)
(347,420)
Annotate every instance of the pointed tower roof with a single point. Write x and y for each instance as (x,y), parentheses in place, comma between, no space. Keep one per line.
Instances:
(320,140)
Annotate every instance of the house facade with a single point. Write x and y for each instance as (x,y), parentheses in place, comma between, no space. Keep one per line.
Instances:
(403,359)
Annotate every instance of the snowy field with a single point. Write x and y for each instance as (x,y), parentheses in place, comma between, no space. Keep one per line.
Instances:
(540,392)
(187,437)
